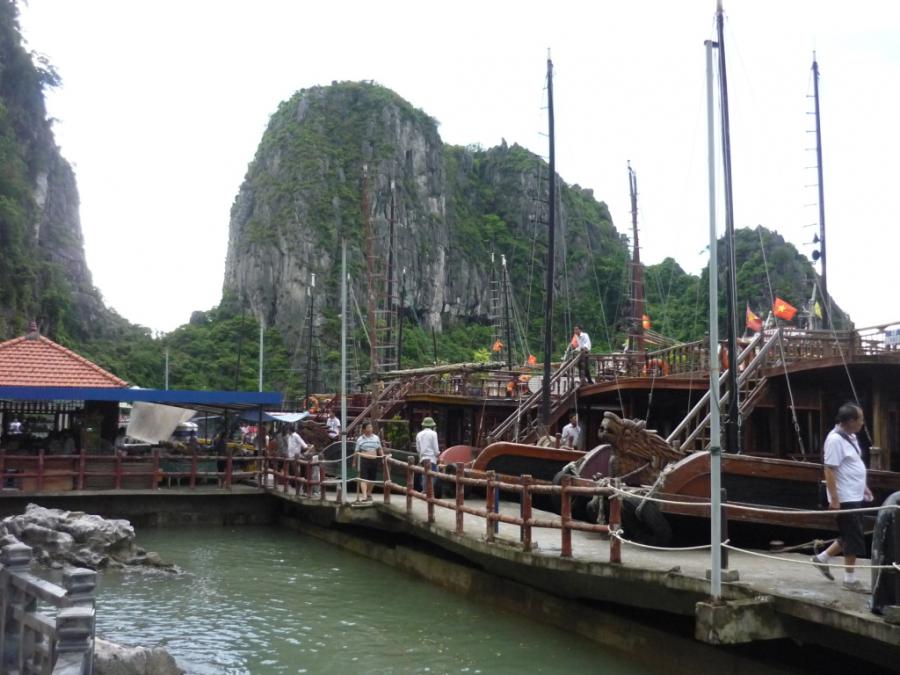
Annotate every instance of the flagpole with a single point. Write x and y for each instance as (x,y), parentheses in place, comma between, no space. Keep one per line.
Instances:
(344,370)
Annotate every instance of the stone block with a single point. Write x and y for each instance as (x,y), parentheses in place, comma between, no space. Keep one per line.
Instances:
(738,621)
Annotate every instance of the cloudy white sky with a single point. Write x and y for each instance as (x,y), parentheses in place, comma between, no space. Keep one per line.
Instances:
(164,102)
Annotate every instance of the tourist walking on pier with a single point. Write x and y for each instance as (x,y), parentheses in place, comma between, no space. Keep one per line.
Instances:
(427,448)
(845,480)
(582,349)
(368,448)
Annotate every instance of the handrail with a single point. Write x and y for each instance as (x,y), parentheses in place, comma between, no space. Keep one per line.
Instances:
(531,402)
(36,641)
(54,473)
(492,516)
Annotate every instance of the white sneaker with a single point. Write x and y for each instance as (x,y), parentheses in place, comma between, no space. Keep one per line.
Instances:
(855,585)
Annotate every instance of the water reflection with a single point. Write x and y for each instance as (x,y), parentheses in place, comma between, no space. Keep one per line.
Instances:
(266,600)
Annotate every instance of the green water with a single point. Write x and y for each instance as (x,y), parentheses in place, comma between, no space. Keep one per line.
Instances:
(267,600)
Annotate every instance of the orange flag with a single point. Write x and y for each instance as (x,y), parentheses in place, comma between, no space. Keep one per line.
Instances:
(645,321)
(532,360)
(783,309)
(574,342)
(754,323)
(498,346)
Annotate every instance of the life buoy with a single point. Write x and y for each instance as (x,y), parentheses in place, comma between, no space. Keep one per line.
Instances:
(312,404)
(656,367)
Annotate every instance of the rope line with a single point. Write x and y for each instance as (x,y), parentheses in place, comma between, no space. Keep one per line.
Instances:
(769,556)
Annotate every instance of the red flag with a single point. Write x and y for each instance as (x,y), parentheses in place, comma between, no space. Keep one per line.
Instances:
(645,321)
(754,323)
(783,309)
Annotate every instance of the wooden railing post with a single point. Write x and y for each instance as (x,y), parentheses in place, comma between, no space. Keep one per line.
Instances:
(40,471)
(409,483)
(566,516)
(294,474)
(386,464)
(118,469)
(81,465)
(526,513)
(615,522)
(490,507)
(193,479)
(229,466)
(154,485)
(460,497)
(429,491)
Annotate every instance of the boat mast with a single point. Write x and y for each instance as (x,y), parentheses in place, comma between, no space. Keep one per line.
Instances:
(370,277)
(733,421)
(551,255)
(505,277)
(390,272)
(344,370)
(311,299)
(636,338)
(715,433)
(826,299)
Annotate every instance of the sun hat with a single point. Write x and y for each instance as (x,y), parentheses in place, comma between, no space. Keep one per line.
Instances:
(428,422)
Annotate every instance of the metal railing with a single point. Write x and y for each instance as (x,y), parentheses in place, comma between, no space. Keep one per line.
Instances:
(44,628)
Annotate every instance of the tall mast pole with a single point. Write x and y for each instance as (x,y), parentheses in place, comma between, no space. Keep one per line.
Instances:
(262,331)
(400,319)
(505,278)
(715,433)
(636,338)
(389,338)
(344,369)
(551,255)
(370,280)
(732,423)
(311,297)
(826,299)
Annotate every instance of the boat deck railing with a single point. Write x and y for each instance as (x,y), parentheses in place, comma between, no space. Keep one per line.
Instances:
(691,359)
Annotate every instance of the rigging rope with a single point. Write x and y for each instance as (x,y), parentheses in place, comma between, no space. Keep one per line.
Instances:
(787,378)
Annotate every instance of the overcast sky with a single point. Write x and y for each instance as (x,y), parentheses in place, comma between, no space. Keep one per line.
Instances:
(164,102)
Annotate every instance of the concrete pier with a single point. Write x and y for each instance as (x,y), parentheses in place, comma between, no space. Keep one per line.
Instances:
(771,599)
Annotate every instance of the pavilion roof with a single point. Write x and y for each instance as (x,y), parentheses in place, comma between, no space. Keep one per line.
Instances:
(33,360)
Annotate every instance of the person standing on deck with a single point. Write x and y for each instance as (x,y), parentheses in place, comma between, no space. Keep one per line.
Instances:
(427,448)
(333,424)
(582,351)
(845,479)
(571,433)
(368,448)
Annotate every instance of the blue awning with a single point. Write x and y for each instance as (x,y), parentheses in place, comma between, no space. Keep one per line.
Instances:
(186,398)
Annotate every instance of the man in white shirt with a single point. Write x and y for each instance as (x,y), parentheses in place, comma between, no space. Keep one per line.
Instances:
(583,349)
(845,480)
(427,447)
(571,433)
(296,445)
(333,424)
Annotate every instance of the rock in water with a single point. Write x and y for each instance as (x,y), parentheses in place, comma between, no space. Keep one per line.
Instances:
(114,659)
(76,538)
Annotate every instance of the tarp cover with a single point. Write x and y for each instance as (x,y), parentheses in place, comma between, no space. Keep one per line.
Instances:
(287,417)
(154,422)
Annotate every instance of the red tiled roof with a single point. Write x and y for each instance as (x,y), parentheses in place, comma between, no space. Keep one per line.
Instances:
(35,361)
